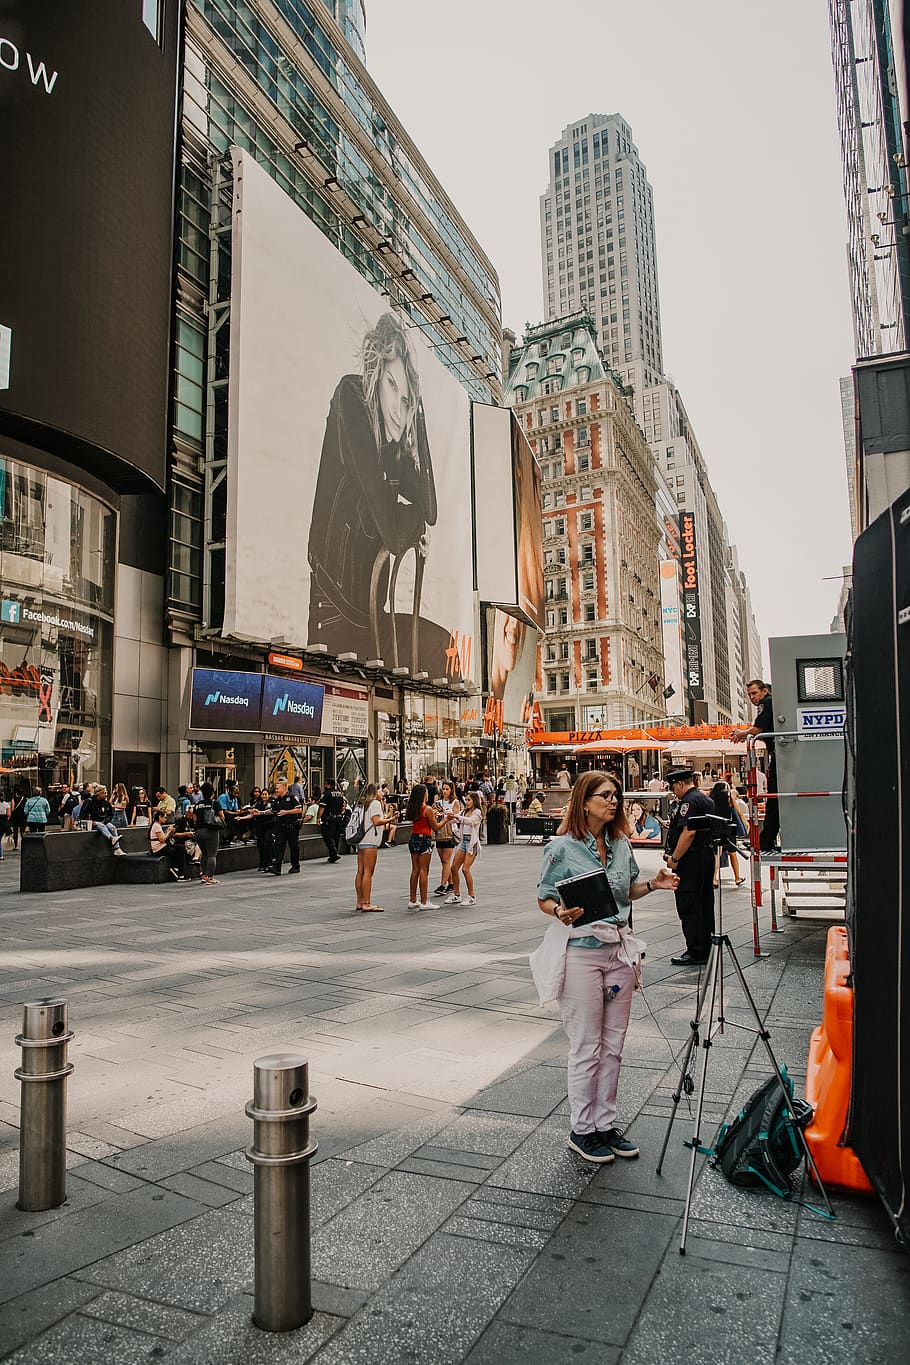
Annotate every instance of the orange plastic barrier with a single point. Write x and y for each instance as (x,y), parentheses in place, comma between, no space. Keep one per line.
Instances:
(829,1072)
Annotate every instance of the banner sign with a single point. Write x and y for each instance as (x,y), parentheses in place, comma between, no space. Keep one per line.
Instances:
(225,701)
(695,683)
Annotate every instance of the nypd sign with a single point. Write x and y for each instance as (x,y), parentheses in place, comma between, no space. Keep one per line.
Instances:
(821,722)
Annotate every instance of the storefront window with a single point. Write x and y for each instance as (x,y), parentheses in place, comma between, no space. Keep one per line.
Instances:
(57,562)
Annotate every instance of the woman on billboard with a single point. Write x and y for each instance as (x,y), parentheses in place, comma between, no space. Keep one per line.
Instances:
(375,500)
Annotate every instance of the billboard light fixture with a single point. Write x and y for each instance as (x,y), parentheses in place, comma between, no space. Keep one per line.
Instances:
(441,682)
(402,671)
(349,657)
(374,663)
(421,675)
(316,649)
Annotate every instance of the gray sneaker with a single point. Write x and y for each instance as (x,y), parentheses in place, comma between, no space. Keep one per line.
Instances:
(591,1147)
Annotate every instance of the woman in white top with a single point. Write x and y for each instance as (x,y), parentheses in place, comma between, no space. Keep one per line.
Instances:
(468,848)
(449,806)
(374,823)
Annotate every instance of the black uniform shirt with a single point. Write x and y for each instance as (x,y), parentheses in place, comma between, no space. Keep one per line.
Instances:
(765,720)
(286,802)
(694,802)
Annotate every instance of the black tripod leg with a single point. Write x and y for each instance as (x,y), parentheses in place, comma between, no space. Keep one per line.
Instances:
(766,1039)
(677,1093)
(714,975)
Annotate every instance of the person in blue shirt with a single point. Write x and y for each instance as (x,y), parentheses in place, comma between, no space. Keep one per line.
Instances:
(229,805)
(593,974)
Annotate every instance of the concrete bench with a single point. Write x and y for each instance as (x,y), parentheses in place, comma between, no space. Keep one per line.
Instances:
(67,862)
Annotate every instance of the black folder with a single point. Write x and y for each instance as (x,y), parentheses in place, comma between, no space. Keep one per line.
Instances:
(593,892)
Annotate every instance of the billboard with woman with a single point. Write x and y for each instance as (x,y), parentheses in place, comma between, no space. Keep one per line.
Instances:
(349,441)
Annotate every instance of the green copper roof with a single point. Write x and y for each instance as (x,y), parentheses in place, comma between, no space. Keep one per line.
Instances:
(562,354)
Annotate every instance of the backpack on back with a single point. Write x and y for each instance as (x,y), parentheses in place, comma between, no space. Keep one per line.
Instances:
(356,826)
(762,1145)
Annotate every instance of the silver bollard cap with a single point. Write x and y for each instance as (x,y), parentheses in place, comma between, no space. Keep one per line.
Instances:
(44,1020)
(280,1082)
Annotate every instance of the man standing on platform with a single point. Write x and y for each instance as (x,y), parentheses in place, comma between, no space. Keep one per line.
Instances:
(286,832)
(691,857)
(759,695)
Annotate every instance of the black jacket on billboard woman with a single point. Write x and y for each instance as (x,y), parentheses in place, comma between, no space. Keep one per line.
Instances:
(370,508)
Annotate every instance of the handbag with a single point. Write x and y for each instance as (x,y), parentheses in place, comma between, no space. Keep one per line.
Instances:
(208,818)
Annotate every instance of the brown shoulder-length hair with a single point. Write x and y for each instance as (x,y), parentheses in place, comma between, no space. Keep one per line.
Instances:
(574,823)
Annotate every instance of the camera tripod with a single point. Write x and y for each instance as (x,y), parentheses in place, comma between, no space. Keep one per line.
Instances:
(710,1021)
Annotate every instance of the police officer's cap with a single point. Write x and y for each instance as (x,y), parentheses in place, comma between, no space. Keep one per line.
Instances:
(678,774)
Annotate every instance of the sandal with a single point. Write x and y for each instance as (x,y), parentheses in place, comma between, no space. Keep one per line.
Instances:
(373,909)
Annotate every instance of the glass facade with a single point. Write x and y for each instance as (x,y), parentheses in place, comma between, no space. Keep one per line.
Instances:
(57,574)
(307,102)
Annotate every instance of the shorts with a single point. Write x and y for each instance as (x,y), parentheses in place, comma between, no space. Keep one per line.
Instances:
(418,844)
(445,843)
(467,846)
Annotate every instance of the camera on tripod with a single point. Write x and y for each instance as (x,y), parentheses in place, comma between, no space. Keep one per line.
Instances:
(721,830)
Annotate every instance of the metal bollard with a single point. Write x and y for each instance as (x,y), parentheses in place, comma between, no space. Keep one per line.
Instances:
(43,1073)
(281,1151)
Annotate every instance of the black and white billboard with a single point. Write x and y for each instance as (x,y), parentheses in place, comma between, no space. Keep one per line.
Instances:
(87,138)
(349,442)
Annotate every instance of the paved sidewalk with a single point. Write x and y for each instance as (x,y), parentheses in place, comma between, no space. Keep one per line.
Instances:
(450,1221)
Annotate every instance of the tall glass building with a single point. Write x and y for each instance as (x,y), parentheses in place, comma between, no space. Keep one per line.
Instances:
(284,81)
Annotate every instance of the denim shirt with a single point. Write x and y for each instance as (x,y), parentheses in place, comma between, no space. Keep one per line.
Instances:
(567,856)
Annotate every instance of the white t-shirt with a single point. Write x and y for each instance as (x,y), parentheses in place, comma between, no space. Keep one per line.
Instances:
(373,836)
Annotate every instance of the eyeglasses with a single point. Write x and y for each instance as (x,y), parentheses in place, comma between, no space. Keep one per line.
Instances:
(607,796)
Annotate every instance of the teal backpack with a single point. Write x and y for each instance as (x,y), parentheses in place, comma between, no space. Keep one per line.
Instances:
(763,1145)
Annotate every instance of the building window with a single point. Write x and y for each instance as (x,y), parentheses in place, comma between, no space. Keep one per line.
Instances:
(590,611)
(583,463)
(587,582)
(585,522)
(189,402)
(185,584)
(593,680)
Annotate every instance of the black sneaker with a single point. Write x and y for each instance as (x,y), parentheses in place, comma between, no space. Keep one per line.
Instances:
(688,959)
(440,890)
(618,1145)
(591,1147)
(292,870)
(174,873)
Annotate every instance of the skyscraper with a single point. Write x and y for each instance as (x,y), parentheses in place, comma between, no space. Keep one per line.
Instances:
(868,81)
(598,247)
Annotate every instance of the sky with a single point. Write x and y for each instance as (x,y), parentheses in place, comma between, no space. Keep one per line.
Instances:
(731,106)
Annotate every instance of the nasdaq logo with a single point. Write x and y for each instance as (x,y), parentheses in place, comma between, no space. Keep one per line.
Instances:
(219,699)
(293,708)
(11,612)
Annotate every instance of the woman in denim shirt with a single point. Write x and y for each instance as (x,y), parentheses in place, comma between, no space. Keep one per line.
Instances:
(593,974)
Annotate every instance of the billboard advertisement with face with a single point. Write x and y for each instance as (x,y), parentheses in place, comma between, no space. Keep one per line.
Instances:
(510,656)
(88,117)
(349,441)
(528,526)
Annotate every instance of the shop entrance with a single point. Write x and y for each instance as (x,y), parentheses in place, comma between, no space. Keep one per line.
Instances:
(221,775)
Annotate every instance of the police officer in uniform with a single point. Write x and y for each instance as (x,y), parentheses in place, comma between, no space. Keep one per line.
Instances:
(288,814)
(691,857)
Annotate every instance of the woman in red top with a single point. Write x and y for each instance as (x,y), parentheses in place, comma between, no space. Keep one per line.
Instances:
(425,823)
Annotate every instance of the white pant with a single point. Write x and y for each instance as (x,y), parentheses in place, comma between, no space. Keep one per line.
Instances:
(596,1019)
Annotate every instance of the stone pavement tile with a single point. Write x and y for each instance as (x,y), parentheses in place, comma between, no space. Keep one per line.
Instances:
(107,1177)
(500,1234)
(464,1166)
(223,1172)
(619,1252)
(335,1184)
(382,1228)
(33,1312)
(860,1221)
(761,1239)
(155,1160)
(231,1337)
(534,1091)
(505,1341)
(126,1310)
(85,1145)
(515,1208)
(81,1338)
(434,1308)
(335,1301)
(543,1164)
(73,1243)
(704,1312)
(717,1201)
(401,1141)
(80,1195)
(486,1132)
(197,1266)
(121,1138)
(845,1304)
(207,1192)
